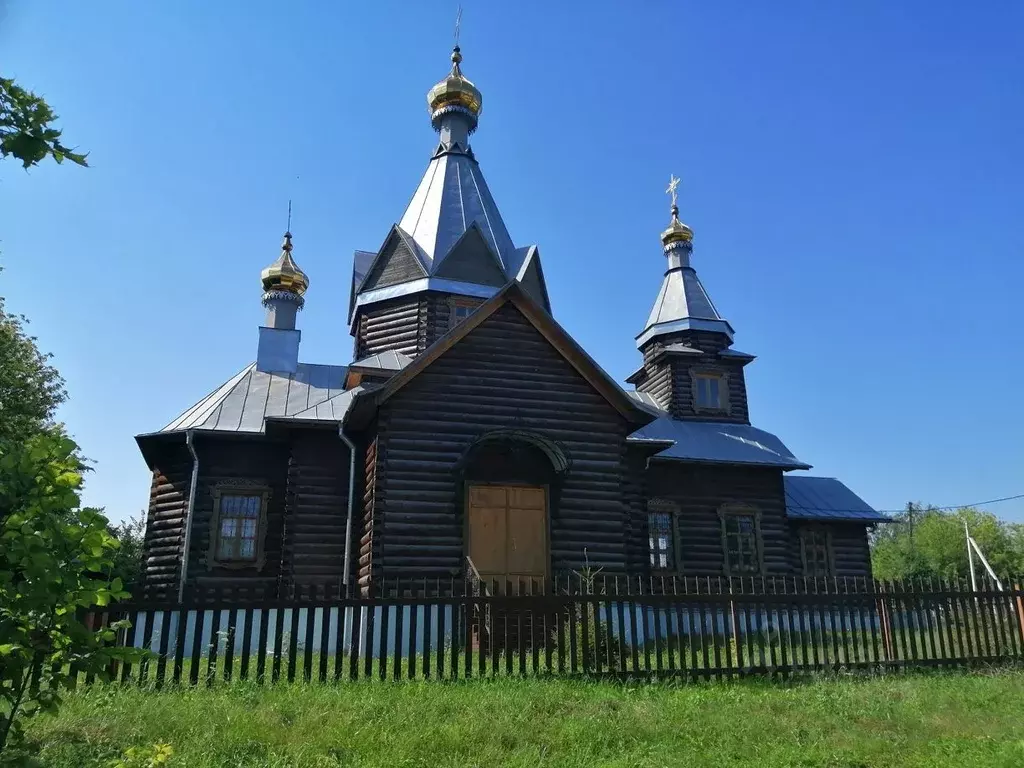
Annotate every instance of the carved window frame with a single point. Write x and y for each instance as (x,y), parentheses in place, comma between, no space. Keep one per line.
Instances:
(240,487)
(806,533)
(460,302)
(659,506)
(723,390)
(733,510)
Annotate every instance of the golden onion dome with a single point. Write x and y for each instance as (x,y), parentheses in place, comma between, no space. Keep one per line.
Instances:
(284,274)
(455,91)
(677,232)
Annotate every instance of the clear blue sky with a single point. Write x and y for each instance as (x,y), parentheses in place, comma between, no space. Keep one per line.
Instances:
(854,174)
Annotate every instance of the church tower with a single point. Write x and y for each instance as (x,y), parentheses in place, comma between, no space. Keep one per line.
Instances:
(283,287)
(449,251)
(689,368)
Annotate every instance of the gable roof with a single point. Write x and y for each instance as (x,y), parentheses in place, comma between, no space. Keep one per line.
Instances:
(557,336)
(825,498)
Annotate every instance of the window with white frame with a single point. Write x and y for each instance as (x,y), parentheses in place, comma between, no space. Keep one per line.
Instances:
(741,540)
(661,534)
(709,391)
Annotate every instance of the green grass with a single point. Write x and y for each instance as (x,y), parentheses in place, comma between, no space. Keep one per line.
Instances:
(914,720)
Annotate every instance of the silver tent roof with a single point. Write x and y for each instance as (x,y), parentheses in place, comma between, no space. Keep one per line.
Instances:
(682,304)
(825,498)
(716,442)
(248,398)
(450,197)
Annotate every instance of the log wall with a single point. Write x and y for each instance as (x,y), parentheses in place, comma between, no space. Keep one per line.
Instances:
(850,550)
(165,521)
(668,378)
(408,324)
(503,374)
(698,492)
(244,463)
(317,504)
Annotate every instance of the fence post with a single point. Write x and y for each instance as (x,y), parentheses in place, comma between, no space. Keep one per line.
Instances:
(883,612)
(1020,613)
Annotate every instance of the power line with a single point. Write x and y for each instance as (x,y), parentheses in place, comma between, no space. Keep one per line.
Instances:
(929,508)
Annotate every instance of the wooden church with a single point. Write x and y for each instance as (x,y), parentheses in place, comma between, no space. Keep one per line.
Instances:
(472,435)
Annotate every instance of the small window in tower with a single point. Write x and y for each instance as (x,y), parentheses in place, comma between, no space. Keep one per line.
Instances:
(709,392)
(460,310)
(661,534)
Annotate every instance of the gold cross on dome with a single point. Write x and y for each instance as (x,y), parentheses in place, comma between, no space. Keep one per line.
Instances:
(673,185)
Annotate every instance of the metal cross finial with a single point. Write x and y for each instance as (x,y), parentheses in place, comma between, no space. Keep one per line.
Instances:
(458,25)
(289,227)
(673,185)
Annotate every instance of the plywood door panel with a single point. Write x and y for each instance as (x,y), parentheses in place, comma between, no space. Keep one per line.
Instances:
(487,537)
(527,550)
(508,531)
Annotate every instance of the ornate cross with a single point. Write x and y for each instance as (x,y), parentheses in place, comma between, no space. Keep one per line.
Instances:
(673,185)
(458,24)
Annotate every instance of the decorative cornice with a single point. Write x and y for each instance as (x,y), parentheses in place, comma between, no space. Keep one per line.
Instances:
(451,109)
(285,296)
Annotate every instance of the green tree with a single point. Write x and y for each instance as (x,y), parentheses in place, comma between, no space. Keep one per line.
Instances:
(930,543)
(55,561)
(26,128)
(127,565)
(30,388)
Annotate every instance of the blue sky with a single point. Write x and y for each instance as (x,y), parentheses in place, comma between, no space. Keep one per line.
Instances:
(852,172)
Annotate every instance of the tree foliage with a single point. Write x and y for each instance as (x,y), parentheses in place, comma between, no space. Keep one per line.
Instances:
(930,543)
(30,388)
(55,562)
(127,565)
(26,128)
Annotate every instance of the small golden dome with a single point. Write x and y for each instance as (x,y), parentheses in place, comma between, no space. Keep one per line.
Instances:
(455,90)
(284,274)
(677,232)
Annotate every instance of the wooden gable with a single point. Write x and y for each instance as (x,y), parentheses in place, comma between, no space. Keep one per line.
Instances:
(396,262)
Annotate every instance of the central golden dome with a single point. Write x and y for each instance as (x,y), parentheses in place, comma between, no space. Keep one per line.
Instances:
(284,274)
(455,91)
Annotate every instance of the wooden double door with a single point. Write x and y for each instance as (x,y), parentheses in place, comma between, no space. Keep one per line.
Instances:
(508,534)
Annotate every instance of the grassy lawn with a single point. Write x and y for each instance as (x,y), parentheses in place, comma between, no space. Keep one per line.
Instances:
(924,720)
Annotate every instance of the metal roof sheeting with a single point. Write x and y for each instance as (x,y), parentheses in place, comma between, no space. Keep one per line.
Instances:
(385,361)
(825,498)
(451,196)
(682,303)
(243,402)
(717,442)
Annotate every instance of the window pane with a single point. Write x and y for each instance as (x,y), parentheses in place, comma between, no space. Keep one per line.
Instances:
(660,539)
(248,549)
(228,528)
(713,400)
(249,529)
(226,549)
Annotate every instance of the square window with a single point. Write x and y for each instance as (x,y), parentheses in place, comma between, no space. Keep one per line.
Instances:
(709,391)
(460,310)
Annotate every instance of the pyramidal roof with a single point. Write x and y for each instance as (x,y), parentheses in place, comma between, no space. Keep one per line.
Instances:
(451,236)
(452,196)
(682,303)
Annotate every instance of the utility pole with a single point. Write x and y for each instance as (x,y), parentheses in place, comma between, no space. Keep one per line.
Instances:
(910,520)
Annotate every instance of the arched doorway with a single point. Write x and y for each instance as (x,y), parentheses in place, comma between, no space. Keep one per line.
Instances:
(511,479)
